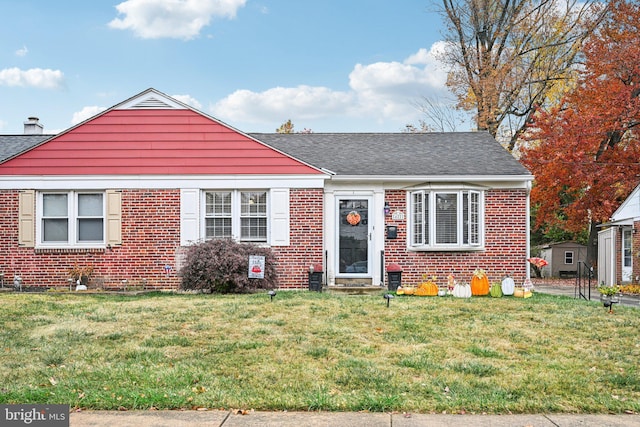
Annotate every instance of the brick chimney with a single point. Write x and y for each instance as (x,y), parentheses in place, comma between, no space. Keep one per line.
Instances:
(32,126)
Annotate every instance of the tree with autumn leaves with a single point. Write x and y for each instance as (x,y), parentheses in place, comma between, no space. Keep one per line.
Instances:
(585,151)
(507,56)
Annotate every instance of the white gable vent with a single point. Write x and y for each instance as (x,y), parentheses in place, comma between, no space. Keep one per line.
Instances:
(151,100)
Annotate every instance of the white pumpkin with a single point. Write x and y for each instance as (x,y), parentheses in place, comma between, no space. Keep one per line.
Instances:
(462,290)
(508,286)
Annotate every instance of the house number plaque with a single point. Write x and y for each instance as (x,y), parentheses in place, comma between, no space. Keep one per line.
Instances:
(398,216)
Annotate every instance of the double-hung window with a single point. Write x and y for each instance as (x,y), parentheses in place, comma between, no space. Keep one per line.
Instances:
(72,218)
(445,219)
(241,215)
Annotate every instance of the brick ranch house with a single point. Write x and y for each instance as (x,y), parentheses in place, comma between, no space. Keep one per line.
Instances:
(129,189)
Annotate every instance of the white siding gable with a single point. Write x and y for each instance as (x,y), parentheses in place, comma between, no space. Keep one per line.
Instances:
(630,208)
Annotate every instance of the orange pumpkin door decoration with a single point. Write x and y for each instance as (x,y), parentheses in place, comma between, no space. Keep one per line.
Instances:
(353,218)
(479,283)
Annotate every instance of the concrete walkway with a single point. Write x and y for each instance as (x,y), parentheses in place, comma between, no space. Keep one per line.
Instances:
(341,419)
(571,291)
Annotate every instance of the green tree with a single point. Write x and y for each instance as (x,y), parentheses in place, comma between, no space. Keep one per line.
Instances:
(286,127)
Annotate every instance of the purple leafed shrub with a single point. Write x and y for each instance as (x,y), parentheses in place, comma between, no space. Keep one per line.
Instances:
(222,266)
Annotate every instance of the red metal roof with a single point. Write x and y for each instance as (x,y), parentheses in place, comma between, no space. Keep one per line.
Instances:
(153,142)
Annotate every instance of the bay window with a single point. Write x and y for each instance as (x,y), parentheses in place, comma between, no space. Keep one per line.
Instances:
(445,219)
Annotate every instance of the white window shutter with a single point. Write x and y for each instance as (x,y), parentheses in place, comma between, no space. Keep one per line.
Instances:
(189,216)
(280,217)
(26,218)
(114,217)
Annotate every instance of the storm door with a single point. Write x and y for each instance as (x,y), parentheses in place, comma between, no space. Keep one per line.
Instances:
(354,237)
(627,259)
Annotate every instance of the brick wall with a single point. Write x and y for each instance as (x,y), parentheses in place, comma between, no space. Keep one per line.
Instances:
(150,236)
(150,240)
(505,243)
(306,210)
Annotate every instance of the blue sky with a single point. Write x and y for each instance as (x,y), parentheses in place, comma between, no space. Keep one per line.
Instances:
(328,65)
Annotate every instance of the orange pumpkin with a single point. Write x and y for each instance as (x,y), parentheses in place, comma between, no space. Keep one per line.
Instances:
(479,283)
(427,289)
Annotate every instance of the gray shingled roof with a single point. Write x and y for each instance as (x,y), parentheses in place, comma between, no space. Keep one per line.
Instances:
(399,154)
(10,145)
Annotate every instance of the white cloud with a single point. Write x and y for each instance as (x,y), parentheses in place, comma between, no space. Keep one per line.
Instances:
(22,52)
(302,102)
(86,113)
(379,92)
(189,100)
(178,19)
(3,124)
(34,77)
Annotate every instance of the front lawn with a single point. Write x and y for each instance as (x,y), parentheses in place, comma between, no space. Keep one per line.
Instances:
(310,351)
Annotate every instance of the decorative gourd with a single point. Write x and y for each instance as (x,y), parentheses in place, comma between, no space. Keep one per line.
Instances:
(496,290)
(400,290)
(508,285)
(518,292)
(479,283)
(428,288)
(461,290)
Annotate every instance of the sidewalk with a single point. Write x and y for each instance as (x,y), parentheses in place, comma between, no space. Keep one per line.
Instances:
(341,419)
(571,291)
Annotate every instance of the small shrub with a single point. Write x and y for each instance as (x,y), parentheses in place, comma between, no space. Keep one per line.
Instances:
(222,266)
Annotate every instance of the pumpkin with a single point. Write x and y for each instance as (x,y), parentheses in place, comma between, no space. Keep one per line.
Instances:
(508,285)
(427,288)
(518,292)
(496,290)
(479,283)
(461,290)
(409,290)
(353,218)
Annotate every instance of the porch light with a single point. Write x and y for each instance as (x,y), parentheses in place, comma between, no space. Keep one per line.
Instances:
(387,208)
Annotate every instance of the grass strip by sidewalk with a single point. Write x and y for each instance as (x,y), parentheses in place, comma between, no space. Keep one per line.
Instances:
(310,351)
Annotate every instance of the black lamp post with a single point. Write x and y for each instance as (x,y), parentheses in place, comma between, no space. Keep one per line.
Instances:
(388,297)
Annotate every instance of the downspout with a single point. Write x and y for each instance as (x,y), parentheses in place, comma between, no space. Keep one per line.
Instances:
(528,228)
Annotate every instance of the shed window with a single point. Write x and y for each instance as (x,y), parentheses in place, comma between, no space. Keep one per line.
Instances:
(568,257)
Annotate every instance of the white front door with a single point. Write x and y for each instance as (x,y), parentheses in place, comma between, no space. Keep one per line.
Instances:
(354,236)
(627,258)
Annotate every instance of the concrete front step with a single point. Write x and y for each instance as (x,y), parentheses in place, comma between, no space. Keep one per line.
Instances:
(352,289)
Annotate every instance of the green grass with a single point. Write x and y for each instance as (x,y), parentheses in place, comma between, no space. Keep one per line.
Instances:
(311,351)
